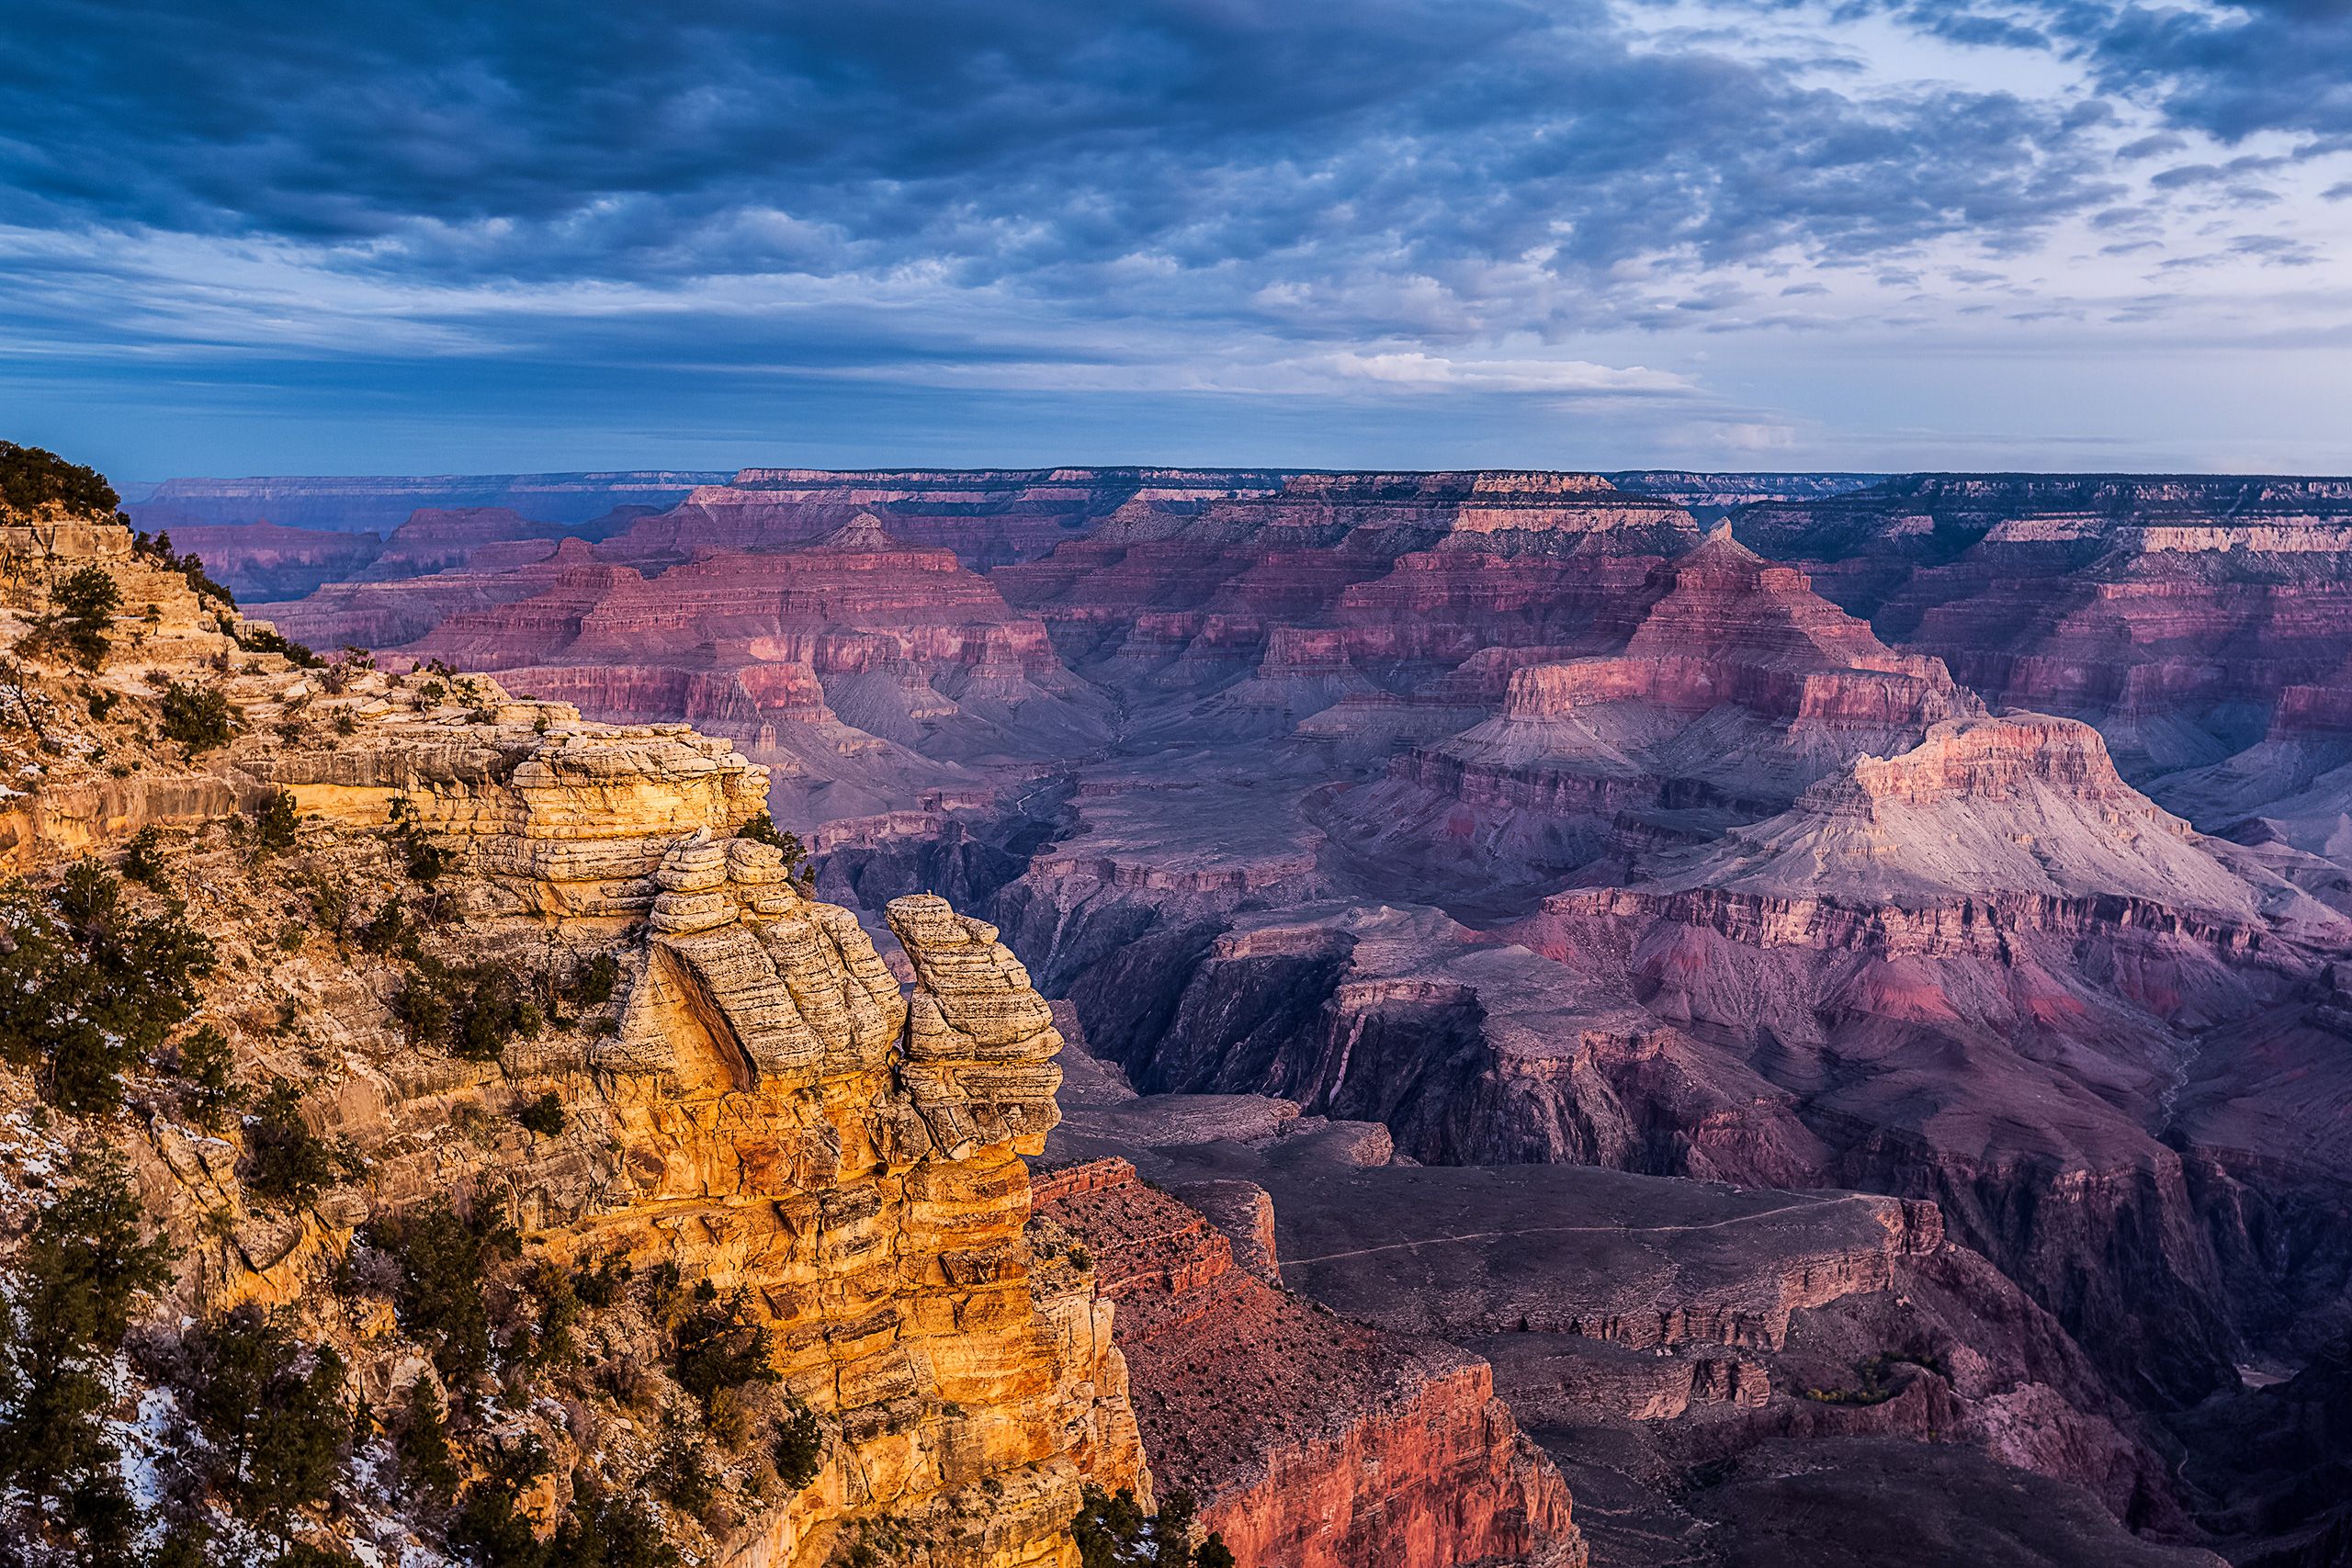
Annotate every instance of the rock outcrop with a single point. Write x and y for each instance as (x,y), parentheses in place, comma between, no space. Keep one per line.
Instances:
(1306,1439)
(860,669)
(1729,688)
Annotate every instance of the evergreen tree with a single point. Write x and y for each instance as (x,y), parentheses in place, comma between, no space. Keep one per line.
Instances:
(85,606)
(88,1261)
(279,824)
(428,1464)
(761,830)
(444,1264)
(89,989)
(278,1428)
(206,1063)
(607,1531)
(284,1159)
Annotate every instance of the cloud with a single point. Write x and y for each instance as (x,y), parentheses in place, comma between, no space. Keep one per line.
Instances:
(1557,201)
(1415,371)
(1201,159)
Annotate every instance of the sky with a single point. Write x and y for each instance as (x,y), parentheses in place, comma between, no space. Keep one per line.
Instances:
(404,237)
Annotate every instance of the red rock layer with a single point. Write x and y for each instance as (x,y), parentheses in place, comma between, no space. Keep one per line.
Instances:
(2174,612)
(1310,1441)
(986,516)
(1727,685)
(1385,581)
(262,560)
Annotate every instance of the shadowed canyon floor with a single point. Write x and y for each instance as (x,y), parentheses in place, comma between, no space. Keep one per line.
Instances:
(1953,865)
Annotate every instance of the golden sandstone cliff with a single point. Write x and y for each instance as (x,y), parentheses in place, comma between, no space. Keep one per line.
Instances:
(504,986)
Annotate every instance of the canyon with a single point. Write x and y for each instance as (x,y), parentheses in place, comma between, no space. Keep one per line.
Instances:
(1933,889)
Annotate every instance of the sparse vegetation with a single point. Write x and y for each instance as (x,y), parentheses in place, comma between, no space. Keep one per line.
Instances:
(472,1011)
(761,830)
(196,717)
(716,1346)
(443,1267)
(799,1451)
(262,639)
(271,1409)
(1113,1531)
(190,568)
(277,823)
(284,1161)
(1879,1381)
(142,861)
(543,1115)
(33,478)
(206,1064)
(82,612)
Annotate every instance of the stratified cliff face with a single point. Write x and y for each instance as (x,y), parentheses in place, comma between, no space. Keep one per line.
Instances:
(263,560)
(2199,622)
(756,1108)
(1408,575)
(771,1113)
(987,517)
(861,668)
(1859,991)
(1306,1439)
(1729,687)
(1514,815)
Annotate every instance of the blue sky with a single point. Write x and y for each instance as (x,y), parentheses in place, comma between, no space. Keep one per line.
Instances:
(393,237)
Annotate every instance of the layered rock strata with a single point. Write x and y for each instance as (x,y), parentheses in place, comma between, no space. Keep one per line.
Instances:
(771,1113)
(1730,688)
(1306,1438)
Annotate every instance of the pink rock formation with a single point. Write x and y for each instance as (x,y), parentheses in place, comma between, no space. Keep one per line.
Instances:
(1307,1440)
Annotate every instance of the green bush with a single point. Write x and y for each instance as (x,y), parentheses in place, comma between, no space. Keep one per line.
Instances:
(284,1161)
(428,1464)
(600,1286)
(389,931)
(761,830)
(196,716)
(444,1264)
(83,606)
(680,1474)
(142,862)
(88,989)
(472,1011)
(278,824)
(610,1532)
(206,1063)
(718,1347)
(31,477)
(261,640)
(425,861)
(277,1429)
(593,980)
(799,1448)
(190,568)
(543,1115)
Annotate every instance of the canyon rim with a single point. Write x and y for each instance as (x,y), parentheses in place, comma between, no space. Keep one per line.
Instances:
(1426,783)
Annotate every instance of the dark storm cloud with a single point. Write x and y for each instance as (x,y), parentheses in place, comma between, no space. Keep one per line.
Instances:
(1043,144)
